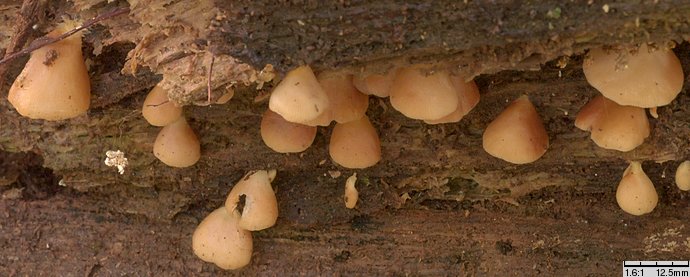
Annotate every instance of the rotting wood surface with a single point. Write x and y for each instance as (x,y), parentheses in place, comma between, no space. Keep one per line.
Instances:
(436,166)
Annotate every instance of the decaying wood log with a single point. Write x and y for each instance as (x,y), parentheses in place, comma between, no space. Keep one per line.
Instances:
(442,168)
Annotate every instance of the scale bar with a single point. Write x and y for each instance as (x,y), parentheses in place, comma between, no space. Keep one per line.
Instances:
(656,264)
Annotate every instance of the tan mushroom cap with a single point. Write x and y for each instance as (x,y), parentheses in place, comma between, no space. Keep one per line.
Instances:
(54,84)
(283,136)
(177,145)
(299,97)
(683,176)
(468,98)
(517,135)
(613,126)
(375,84)
(219,239)
(636,194)
(423,96)
(158,110)
(260,209)
(647,78)
(355,144)
(347,103)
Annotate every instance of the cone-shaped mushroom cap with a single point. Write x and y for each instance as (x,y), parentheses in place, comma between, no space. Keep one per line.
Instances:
(423,96)
(347,103)
(517,135)
(299,97)
(54,84)
(219,239)
(158,110)
(260,209)
(375,84)
(283,136)
(647,78)
(683,176)
(176,145)
(636,194)
(468,97)
(355,144)
(613,126)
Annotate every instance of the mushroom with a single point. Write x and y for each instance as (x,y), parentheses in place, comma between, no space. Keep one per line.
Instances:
(283,136)
(423,96)
(54,84)
(347,103)
(468,97)
(299,97)
(355,144)
(375,84)
(260,208)
(646,78)
(176,145)
(517,135)
(683,176)
(158,110)
(351,194)
(636,194)
(613,126)
(219,239)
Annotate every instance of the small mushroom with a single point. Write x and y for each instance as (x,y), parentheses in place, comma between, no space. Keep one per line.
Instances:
(176,145)
(636,194)
(643,78)
(613,126)
(517,135)
(299,97)
(683,176)
(54,84)
(355,144)
(351,194)
(423,96)
(468,97)
(375,84)
(347,103)
(283,136)
(219,239)
(158,110)
(260,208)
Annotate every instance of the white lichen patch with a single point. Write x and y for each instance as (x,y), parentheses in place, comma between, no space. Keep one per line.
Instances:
(117,159)
(667,241)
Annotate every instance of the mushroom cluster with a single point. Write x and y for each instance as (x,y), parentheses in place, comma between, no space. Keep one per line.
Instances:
(224,237)
(302,101)
(176,144)
(54,85)
(629,81)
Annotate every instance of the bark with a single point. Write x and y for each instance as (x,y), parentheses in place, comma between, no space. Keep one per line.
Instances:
(413,203)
